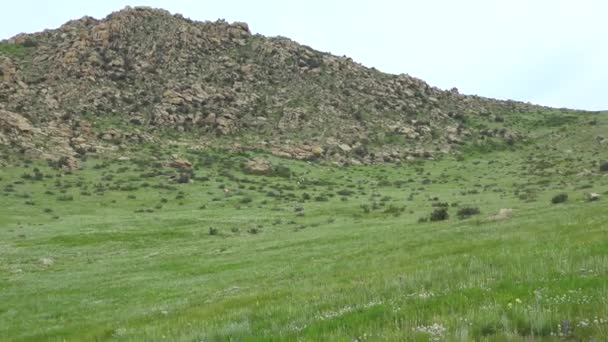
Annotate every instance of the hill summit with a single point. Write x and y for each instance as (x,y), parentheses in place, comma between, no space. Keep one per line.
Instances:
(146,75)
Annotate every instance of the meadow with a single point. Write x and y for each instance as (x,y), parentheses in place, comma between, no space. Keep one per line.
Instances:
(132,249)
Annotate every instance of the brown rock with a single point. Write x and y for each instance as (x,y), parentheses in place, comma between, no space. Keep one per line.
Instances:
(258,166)
(180,163)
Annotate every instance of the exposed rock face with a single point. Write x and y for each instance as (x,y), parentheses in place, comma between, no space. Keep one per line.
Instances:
(160,71)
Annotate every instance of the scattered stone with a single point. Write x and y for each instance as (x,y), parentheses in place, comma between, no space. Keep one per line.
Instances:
(345,148)
(592,196)
(48,262)
(502,214)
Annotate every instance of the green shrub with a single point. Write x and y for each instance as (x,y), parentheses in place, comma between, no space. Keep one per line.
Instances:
(559,198)
(65,198)
(439,214)
(183,178)
(466,212)
(604,166)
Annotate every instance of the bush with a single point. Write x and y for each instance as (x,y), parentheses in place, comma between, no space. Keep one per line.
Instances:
(282,171)
(466,212)
(183,178)
(213,231)
(65,198)
(394,210)
(604,166)
(559,198)
(439,214)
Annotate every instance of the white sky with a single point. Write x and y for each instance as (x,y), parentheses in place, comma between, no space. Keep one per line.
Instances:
(542,51)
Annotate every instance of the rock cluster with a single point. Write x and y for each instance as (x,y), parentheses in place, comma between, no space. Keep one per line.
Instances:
(157,71)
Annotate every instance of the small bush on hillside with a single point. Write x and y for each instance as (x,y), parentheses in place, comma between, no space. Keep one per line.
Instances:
(394,210)
(65,198)
(604,166)
(282,171)
(439,214)
(466,212)
(213,231)
(366,208)
(559,198)
(183,178)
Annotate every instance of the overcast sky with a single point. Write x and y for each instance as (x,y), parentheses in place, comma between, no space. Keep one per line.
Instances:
(550,52)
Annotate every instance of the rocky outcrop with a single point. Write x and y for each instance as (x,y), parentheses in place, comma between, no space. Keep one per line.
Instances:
(150,69)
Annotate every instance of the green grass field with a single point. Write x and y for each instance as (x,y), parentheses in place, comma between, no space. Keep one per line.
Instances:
(120,251)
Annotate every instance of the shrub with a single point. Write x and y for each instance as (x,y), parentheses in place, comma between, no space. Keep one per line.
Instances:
(466,212)
(394,210)
(282,171)
(559,198)
(439,214)
(65,198)
(213,231)
(604,166)
(183,178)
(345,192)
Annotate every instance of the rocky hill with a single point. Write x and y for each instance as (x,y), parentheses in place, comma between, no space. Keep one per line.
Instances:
(144,75)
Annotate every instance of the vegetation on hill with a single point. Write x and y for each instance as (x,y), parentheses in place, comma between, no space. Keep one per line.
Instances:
(165,179)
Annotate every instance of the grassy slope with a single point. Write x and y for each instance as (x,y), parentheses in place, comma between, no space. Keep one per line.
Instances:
(333,273)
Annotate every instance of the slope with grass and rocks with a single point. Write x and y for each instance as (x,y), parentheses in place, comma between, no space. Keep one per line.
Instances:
(143,74)
(163,179)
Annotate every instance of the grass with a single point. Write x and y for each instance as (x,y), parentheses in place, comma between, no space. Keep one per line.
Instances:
(121,251)
(14,50)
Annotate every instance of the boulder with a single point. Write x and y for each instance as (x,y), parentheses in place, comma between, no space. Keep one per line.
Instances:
(592,197)
(502,214)
(345,148)
(180,163)
(258,166)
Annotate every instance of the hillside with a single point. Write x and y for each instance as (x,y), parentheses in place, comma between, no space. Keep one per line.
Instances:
(143,75)
(170,180)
